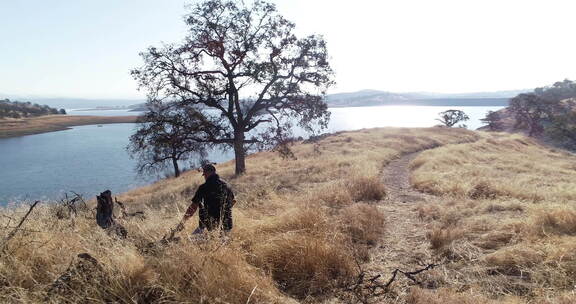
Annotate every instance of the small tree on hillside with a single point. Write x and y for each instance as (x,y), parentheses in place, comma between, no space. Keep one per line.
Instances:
(563,128)
(450,118)
(245,72)
(493,121)
(530,111)
(165,136)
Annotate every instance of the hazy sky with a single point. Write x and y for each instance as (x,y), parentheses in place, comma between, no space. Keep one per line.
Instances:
(86,48)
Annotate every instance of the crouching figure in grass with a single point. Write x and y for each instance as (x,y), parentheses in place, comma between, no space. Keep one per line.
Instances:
(214,199)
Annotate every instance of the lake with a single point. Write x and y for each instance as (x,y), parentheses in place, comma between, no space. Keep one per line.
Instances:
(91,159)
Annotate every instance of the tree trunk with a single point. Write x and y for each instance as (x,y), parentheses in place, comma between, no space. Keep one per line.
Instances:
(105,214)
(105,209)
(239,153)
(176,169)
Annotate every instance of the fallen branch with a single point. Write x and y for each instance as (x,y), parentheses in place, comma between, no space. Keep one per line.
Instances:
(123,208)
(17,228)
(80,198)
(372,285)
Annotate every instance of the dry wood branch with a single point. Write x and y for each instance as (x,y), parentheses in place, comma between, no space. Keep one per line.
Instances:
(68,206)
(79,198)
(125,213)
(17,228)
(374,288)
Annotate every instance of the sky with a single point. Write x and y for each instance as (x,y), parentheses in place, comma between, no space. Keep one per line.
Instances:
(86,49)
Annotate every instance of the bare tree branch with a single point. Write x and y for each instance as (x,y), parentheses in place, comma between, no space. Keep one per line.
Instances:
(17,228)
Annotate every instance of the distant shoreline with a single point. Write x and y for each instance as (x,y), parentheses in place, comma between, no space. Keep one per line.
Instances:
(435,102)
(51,123)
(414,105)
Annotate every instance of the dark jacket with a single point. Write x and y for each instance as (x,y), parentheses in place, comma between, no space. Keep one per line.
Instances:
(214,199)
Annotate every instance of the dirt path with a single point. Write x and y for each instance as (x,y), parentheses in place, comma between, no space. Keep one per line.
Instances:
(404,245)
(396,178)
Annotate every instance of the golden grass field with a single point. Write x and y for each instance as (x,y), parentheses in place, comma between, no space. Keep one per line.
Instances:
(49,123)
(502,226)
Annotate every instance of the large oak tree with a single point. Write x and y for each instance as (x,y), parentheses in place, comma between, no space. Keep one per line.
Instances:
(247,73)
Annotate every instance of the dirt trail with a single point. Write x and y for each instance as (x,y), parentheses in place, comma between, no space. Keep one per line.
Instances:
(404,244)
(396,178)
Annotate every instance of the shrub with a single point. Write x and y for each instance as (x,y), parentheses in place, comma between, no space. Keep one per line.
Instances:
(212,271)
(511,259)
(483,190)
(303,265)
(366,188)
(363,223)
(446,296)
(560,221)
(335,196)
(442,237)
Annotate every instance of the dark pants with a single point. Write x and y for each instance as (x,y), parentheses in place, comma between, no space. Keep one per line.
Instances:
(223,222)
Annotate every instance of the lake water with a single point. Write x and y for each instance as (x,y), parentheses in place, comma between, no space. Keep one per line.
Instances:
(91,159)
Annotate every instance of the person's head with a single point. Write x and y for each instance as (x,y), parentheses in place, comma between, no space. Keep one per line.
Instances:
(208,170)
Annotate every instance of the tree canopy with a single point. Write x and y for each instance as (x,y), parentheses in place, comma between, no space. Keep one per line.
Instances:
(547,111)
(165,136)
(450,118)
(245,72)
(544,110)
(493,121)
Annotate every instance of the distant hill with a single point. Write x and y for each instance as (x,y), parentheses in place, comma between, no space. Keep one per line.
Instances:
(79,103)
(495,94)
(76,103)
(18,109)
(368,98)
(364,98)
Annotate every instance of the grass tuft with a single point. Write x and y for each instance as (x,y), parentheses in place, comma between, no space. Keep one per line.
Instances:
(366,188)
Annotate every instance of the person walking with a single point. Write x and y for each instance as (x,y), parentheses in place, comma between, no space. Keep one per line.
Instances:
(214,199)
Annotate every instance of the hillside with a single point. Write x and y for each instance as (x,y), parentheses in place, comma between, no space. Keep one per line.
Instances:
(496,220)
(17,109)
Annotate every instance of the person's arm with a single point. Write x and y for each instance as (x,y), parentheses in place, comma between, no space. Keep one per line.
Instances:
(231,199)
(191,209)
(189,213)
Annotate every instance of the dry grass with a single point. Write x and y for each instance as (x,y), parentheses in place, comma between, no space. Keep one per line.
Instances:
(504,227)
(365,188)
(505,221)
(509,166)
(448,296)
(363,223)
(50,123)
(299,226)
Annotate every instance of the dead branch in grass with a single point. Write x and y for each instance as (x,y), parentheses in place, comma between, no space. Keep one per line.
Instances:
(125,213)
(17,228)
(366,288)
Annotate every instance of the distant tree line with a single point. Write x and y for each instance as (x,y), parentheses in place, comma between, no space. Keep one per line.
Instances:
(548,111)
(19,109)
